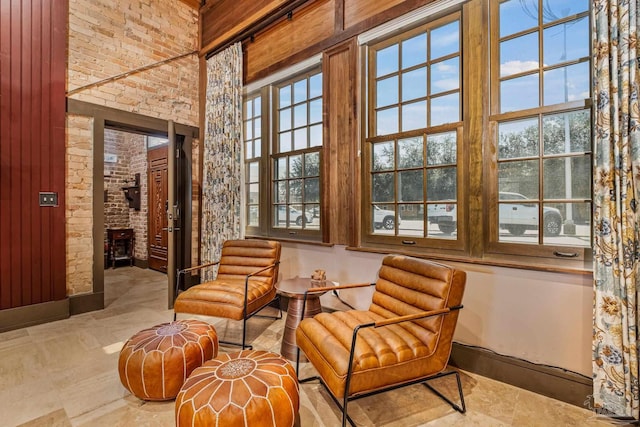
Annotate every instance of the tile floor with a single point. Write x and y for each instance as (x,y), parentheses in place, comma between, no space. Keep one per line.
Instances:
(65,374)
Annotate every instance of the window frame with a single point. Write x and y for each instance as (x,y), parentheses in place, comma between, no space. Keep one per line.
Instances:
(267,162)
(539,252)
(453,246)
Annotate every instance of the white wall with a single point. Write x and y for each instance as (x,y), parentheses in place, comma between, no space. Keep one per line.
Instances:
(537,316)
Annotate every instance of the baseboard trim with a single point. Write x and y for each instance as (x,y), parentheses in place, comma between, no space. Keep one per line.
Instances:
(85,303)
(34,314)
(141,263)
(552,382)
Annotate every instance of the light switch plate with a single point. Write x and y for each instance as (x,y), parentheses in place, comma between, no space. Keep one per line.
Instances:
(48,198)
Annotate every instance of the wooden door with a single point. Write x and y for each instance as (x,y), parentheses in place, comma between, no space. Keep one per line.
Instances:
(158,180)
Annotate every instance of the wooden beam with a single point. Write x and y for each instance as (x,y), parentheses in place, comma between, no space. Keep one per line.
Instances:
(192,3)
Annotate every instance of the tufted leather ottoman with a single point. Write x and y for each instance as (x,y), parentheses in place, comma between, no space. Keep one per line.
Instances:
(247,388)
(155,362)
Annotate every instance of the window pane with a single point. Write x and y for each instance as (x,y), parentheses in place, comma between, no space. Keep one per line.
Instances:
(281,168)
(387,121)
(383,187)
(254,194)
(567,132)
(300,91)
(519,55)
(442,220)
(410,186)
(281,192)
(445,40)
(312,164)
(248,150)
(300,139)
(248,130)
(300,115)
(384,219)
(519,179)
(566,84)
(257,148)
(519,93)
(383,156)
(560,178)
(284,143)
(285,119)
(315,85)
(295,191)
(410,152)
(411,220)
(257,106)
(441,149)
(445,109)
(518,15)
(253,219)
(387,92)
(558,9)
(414,115)
(295,166)
(566,42)
(284,96)
(414,51)
(575,228)
(445,75)
(519,222)
(518,139)
(441,184)
(316,135)
(311,190)
(414,84)
(315,111)
(257,128)
(387,60)
(248,109)
(254,172)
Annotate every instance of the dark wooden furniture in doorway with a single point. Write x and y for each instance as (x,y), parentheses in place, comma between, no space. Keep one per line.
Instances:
(158,188)
(120,245)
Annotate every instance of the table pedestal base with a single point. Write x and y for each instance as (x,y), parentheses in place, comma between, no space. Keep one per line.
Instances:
(288,347)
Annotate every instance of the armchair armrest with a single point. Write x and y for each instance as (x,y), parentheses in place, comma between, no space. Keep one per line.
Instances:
(186,270)
(335,288)
(410,317)
(263,269)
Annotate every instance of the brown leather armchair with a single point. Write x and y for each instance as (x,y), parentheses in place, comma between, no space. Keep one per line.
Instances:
(244,285)
(404,338)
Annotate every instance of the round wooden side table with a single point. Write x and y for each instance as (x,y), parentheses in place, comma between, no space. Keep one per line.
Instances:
(294,289)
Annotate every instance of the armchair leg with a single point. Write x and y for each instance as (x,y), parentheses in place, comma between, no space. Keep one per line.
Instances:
(460,408)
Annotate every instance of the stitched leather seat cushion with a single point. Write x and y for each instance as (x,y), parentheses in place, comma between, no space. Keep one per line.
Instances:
(155,362)
(247,388)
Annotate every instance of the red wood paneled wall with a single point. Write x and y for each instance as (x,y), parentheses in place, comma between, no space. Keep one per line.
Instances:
(32,150)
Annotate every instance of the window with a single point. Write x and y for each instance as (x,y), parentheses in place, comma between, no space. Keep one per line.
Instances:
(541,121)
(411,167)
(517,138)
(284,200)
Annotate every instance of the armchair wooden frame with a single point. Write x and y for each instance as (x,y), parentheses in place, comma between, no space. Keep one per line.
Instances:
(247,315)
(386,322)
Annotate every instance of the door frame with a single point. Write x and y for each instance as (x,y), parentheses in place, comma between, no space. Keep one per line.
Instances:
(106,117)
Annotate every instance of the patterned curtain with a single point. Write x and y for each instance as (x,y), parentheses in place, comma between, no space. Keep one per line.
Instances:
(616,195)
(222,159)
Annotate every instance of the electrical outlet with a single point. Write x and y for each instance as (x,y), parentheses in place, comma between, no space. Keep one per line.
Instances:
(48,198)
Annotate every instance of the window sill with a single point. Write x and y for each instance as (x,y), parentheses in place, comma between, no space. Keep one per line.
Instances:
(537,264)
(289,240)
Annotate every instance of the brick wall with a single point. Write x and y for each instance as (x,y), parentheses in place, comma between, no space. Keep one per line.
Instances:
(137,147)
(79,208)
(109,38)
(131,153)
(116,173)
